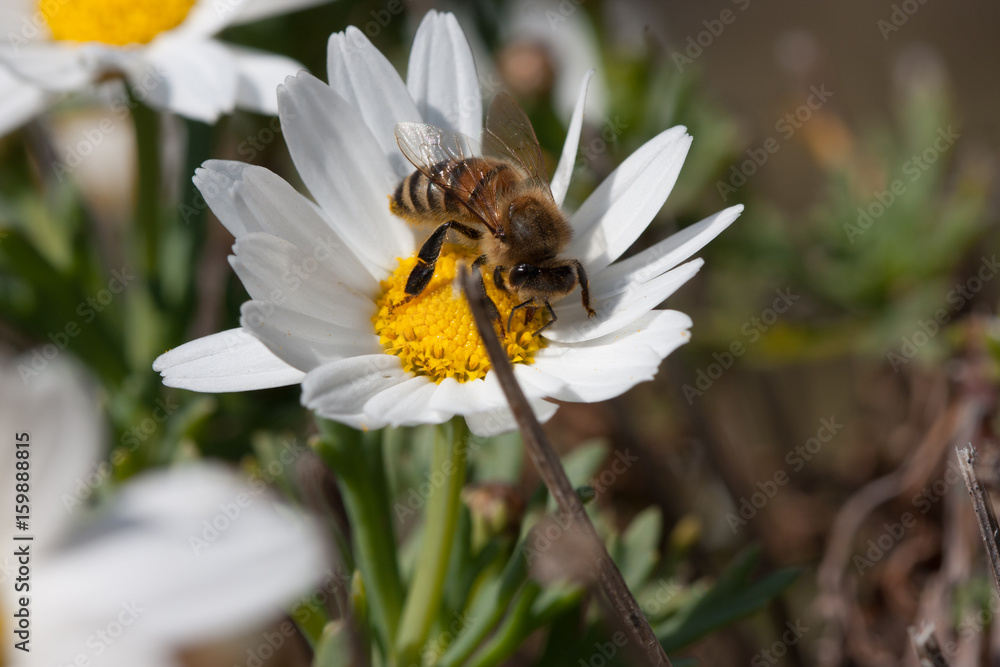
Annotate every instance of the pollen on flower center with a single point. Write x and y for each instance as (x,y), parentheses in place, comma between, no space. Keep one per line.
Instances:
(434,333)
(115,22)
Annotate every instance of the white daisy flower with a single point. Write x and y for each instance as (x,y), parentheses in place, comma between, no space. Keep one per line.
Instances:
(177,558)
(322,275)
(164,48)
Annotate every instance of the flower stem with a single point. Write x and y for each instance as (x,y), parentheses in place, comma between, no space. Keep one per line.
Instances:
(147,203)
(356,459)
(423,601)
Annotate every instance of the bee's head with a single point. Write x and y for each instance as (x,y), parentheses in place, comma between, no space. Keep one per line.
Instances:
(520,274)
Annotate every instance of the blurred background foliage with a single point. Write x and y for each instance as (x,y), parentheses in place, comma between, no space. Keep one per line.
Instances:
(872,209)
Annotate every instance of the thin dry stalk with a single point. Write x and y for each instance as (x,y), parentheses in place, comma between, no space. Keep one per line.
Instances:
(983,508)
(612,584)
(927,647)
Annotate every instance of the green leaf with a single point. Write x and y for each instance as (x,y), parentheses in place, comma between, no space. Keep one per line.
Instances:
(334,649)
(50,225)
(499,458)
(189,417)
(553,601)
(486,609)
(637,553)
(732,598)
(516,626)
(356,460)
(582,463)
(144,327)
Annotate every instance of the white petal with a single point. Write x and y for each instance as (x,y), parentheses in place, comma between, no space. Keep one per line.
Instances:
(249,199)
(610,365)
(623,205)
(418,400)
(276,272)
(124,652)
(15,17)
(301,340)
(344,168)
(619,310)
(255,10)
(258,76)
(536,384)
(501,420)
(52,66)
(49,405)
(209,17)
(564,170)
(663,256)
(186,555)
(442,76)
(369,82)
(464,398)
(231,360)
(340,390)
(484,394)
(198,77)
(407,404)
(19,102)
(373,391)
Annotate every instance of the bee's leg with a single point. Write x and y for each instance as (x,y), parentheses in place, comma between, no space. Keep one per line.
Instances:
(530,303)
(581,277)
(490,306)
(498,280)
(549,323)
(428,256)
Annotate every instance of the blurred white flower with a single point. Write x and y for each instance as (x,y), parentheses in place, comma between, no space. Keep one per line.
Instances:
(564,31)
(177,558)
(321,277)
(164,48)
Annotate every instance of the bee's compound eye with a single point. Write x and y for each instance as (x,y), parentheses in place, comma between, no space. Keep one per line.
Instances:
(520,274)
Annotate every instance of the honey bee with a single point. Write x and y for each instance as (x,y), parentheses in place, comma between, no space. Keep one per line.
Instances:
(501,202)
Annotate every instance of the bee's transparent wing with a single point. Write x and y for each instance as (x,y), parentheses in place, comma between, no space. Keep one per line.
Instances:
(428,145)
(432,150)
(508,136)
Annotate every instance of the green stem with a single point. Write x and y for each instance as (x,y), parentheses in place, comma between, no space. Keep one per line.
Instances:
(423,602)
(356,459)
(184,230)
(147,202)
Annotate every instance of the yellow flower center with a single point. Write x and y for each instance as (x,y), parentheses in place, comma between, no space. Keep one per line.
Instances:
(434,333)
(116,22)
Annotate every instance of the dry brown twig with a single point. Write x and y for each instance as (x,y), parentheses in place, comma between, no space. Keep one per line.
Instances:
(957,422)
(612,584)
(983,508)
(927,647)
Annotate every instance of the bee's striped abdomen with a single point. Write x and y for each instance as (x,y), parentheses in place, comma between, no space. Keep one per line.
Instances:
(474,180)
(406,201)
(418,196)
